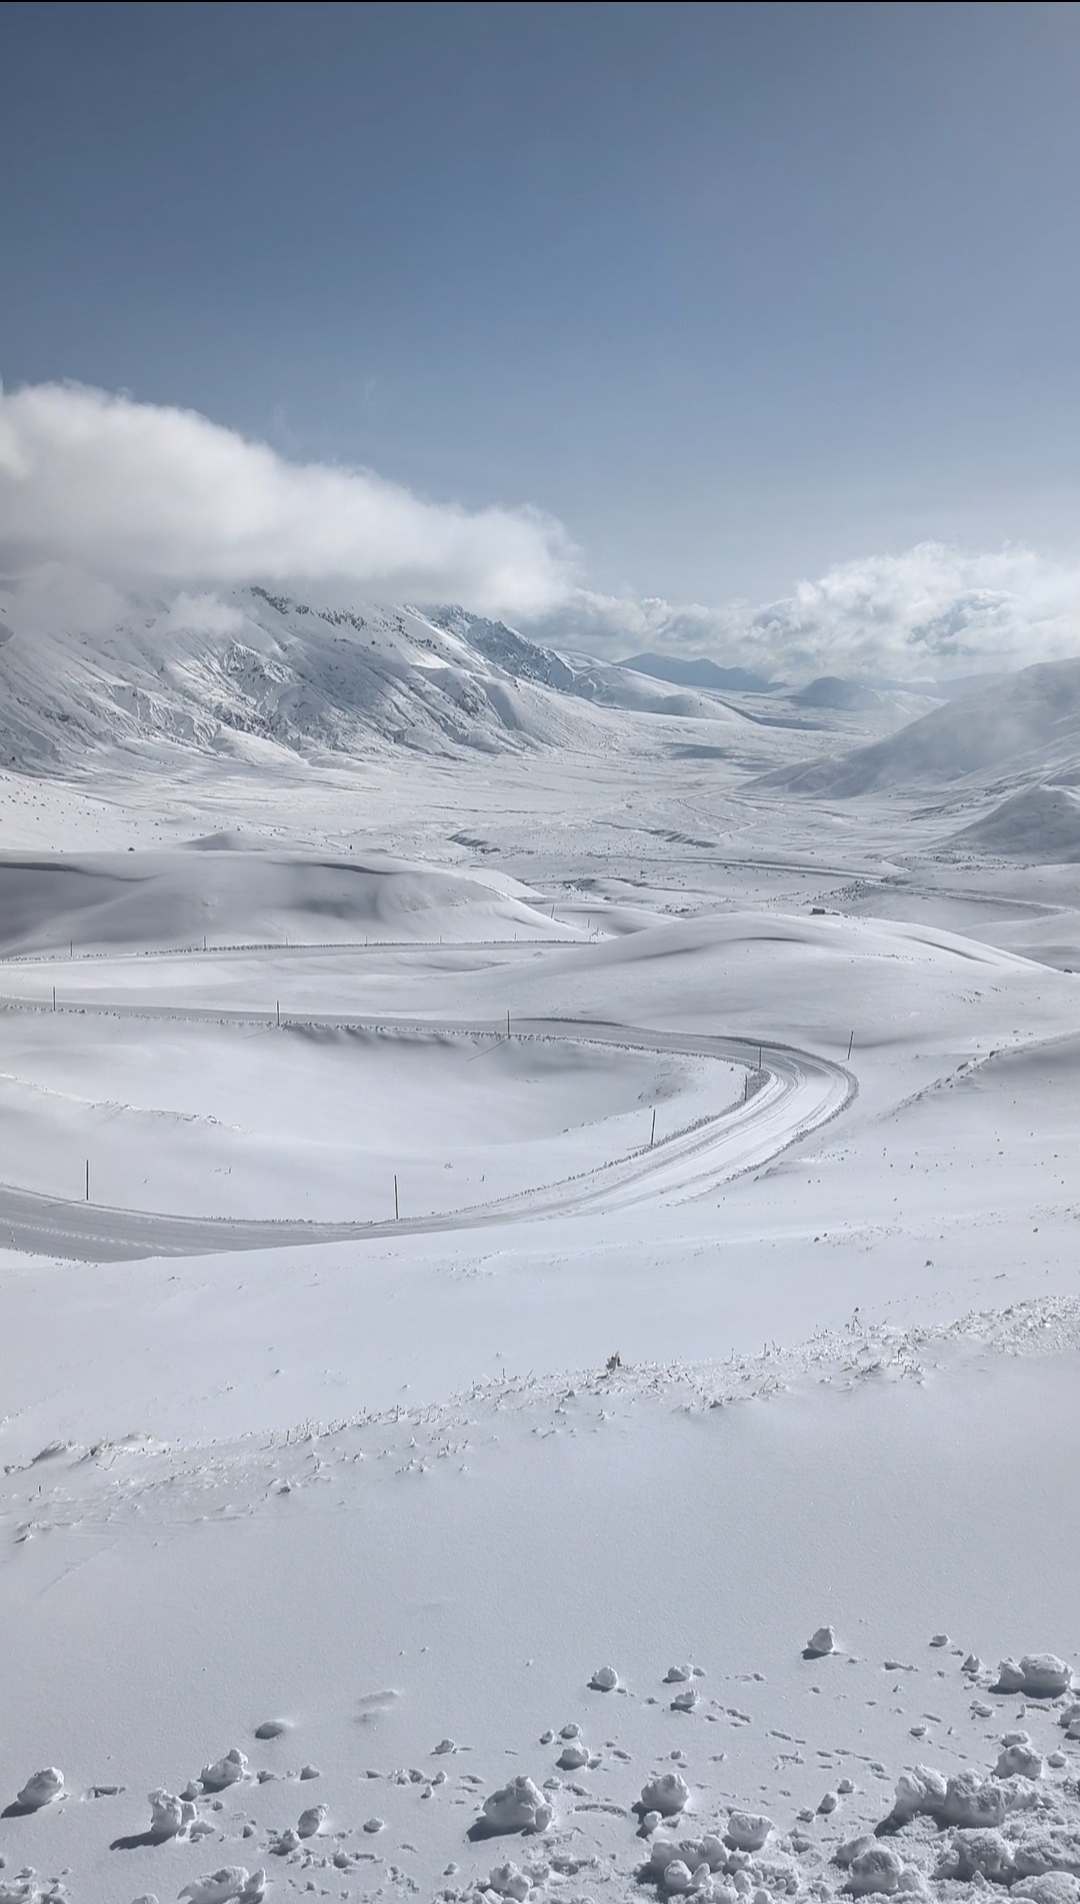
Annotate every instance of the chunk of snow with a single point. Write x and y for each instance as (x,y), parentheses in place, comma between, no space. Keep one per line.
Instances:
(1045,1675)
(42,1788)
(919,1791)
(747,1830)
(605,1679)
(971,1800)
(677,1876)
(508,1881)
(573,1756)
(1054,1887)
(846,1854)
(874,1872)
(518,1806)
(224,1771)
(821,1643)
(971,1854)
(1056,1849)
(1039,1675)
(1019,1759)
(667,1794)
(312,1820)
(219,1888)
(169,1815)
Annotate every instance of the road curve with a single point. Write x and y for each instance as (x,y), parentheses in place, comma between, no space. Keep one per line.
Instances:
(791,1094)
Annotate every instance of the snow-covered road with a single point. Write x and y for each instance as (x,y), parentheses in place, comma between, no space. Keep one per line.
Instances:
(790,1092)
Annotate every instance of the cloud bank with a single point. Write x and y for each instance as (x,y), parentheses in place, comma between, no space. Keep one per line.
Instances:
(111,494)
(136,492)
(931,613)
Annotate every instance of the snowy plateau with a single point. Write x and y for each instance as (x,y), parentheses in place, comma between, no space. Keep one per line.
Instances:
(539,1320)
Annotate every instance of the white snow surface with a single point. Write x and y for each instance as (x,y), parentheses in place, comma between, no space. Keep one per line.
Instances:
(730,1296)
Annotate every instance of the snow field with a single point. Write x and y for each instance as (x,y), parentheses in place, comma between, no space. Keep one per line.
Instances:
(788,1487)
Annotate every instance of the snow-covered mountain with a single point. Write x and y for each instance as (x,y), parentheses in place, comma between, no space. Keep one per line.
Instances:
(1026,725)
(249,669)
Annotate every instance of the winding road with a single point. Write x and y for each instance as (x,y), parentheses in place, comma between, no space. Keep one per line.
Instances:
(790,1094)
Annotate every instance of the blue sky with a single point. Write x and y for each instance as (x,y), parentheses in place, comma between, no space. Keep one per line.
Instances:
(736,294)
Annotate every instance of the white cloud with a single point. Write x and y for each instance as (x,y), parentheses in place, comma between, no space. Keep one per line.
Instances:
(101,493)
(930,613)
(136,492)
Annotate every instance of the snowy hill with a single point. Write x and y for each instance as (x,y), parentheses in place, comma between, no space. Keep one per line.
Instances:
(1027,723)
(224,889)
(1041,825)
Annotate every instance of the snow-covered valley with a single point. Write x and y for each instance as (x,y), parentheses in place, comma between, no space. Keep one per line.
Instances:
(719,1049)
